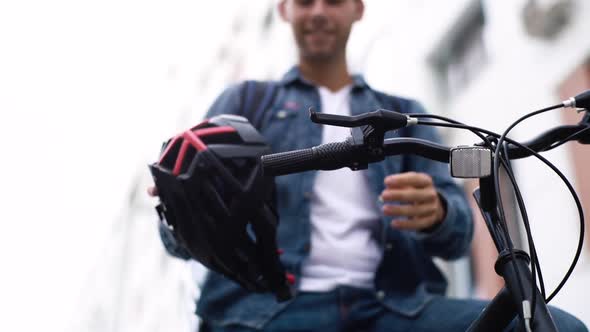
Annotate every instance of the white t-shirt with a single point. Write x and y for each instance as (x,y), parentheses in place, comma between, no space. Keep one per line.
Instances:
(344,217)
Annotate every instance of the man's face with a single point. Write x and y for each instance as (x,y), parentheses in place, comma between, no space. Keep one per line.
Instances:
(321,27)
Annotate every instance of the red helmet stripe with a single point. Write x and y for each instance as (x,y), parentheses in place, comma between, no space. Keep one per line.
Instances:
(180,158)
(214,131)
(193,138)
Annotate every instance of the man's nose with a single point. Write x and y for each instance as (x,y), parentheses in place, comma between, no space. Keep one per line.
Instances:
(318,8)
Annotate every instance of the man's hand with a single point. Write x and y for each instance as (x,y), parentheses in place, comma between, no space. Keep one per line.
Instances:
(420,206)
(152,191)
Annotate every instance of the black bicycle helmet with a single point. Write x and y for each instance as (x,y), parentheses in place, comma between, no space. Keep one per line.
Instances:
(218,204)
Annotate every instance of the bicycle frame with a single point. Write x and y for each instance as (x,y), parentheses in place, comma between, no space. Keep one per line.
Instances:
(499,313)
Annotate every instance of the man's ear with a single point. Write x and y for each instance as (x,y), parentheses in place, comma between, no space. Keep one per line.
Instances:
(282,7)
(360,10)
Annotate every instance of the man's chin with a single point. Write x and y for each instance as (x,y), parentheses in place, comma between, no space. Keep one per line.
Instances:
(319,56)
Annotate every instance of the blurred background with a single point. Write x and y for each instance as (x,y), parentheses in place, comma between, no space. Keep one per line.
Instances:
(90,89)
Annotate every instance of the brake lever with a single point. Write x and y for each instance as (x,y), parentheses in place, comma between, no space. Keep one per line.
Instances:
(368,130)
(383,119)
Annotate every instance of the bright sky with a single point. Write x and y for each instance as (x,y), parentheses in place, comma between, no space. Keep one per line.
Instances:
(85,96)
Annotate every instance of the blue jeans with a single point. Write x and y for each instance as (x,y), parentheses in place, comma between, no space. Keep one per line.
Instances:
(351,309)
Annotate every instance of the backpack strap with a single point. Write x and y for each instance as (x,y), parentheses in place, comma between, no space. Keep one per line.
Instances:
(256,97)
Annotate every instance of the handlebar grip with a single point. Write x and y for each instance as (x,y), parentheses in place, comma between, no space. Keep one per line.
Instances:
(322,157)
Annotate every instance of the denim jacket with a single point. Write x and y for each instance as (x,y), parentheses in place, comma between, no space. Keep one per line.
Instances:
(406,278)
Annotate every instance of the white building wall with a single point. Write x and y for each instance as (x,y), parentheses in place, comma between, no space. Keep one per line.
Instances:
(136,285)
(523,74)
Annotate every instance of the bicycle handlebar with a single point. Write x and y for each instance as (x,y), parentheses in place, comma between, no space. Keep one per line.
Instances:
(346,154)
(322,157)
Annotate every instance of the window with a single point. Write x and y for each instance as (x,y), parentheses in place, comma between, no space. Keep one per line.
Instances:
(461,55)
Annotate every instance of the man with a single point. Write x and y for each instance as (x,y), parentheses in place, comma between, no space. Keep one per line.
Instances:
(360,243)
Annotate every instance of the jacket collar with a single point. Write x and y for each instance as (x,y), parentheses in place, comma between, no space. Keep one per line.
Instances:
(294,75)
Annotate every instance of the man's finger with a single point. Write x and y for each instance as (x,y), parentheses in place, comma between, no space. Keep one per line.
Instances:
(409,210)
(409,179)
(409,195)
(152,191)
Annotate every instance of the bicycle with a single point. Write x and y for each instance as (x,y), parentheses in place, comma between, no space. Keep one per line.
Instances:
(367,144)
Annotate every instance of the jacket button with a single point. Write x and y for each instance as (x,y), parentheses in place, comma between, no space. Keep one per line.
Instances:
(389,246)
(380,295)
(307,195)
